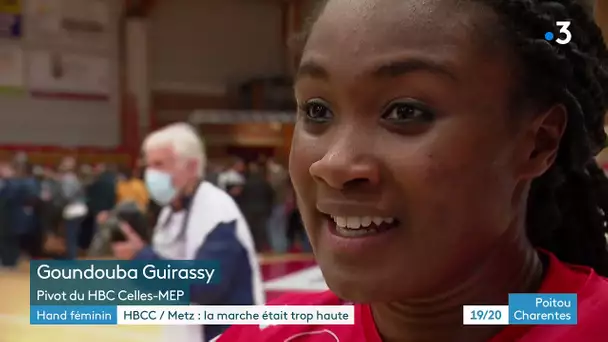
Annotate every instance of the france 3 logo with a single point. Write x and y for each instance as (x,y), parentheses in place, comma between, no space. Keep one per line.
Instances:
(564,37)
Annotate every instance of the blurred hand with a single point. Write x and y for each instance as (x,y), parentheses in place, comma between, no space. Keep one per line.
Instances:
(102,217)
(126,250)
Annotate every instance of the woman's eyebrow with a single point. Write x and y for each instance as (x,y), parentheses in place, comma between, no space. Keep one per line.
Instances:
(312,69)
(391,69)
(403,67)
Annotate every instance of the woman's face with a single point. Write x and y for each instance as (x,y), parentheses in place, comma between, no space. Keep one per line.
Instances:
(403,116)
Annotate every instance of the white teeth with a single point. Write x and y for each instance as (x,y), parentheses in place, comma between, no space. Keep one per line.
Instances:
(366,221)
(358,222)
(377,220)
(353,222)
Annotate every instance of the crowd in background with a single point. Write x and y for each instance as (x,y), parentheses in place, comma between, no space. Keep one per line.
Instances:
(51,212)
(262,189)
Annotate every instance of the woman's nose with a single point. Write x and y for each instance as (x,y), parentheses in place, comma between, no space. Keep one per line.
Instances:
(346,163)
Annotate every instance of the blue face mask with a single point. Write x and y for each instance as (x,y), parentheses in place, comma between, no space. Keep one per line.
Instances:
(160,186)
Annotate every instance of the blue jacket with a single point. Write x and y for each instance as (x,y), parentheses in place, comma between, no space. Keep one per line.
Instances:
(22,194)
(217,231)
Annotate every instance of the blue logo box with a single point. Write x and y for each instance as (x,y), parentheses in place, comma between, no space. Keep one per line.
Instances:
(73,315)
(543,309)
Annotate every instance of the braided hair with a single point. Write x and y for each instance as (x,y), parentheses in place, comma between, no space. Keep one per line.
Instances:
(568,205)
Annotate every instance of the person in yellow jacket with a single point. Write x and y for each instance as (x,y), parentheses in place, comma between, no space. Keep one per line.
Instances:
(131,188)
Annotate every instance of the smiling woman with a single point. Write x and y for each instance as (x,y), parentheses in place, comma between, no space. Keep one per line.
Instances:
(444,156)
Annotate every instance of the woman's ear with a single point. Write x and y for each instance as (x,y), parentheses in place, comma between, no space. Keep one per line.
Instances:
(541,141)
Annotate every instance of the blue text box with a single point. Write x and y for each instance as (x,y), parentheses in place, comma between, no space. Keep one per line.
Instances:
(543,309)
(73,315)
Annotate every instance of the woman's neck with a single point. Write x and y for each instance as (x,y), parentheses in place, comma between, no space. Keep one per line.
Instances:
(513,266)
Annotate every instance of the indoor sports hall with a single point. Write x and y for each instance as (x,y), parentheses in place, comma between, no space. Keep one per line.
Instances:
(83,82)
(88,79)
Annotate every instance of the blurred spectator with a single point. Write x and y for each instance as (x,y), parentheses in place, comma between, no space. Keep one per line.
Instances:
(75,210)
(256,203)
(86,175)
(233,179)
(213,173)
(102,191)
(296,234)
(9,241)
(21,158)
(25,221)
(31,241)
(52,203)
(101,197)
(198,221)
(131,188)
(277,223)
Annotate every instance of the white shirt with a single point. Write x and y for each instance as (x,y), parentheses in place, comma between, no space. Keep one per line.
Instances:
(210,209)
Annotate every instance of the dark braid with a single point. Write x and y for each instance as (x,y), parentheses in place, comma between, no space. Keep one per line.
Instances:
(567,206)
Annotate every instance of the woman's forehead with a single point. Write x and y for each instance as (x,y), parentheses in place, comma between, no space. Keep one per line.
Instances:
(350,38)
(380,25)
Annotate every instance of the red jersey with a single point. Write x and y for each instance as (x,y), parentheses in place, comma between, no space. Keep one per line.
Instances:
(592,324)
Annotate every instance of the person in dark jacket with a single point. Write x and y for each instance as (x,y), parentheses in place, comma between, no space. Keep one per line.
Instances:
(50,210)
(31,239)
(102,191)
(101,197)
(76,209)
(256,202)
(9,239)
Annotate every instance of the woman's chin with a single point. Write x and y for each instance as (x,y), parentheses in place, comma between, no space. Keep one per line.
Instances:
(359,291)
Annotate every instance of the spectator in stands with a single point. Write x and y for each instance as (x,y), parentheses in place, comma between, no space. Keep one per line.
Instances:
(9,241)
(295,234)
(102,191)
(101,197)
(32,241)
(277,223)
(213,173)
(198,221)
(76,209)
(25,221)
(256,202)
(131,188)
(20,158)
(233,179)
(52,204)
(86,173)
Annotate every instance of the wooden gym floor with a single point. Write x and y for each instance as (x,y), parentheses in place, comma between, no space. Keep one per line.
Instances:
(281,274)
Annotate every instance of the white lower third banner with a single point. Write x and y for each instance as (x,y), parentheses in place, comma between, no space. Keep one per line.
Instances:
(193,315)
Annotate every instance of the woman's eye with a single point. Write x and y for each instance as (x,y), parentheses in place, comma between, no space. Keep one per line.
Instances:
(315,111)
(405,112)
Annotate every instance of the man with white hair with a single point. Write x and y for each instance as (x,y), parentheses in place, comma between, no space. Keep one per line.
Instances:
(198,222)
